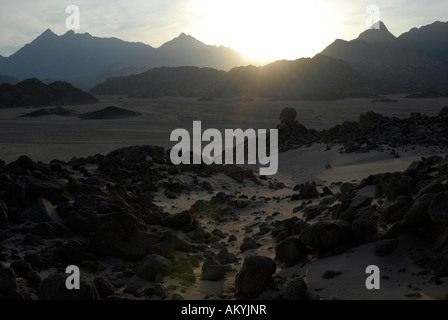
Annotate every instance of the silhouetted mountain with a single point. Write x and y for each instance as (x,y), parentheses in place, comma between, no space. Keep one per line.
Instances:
(32,92)
(377,34)
(87,60)
(8,79)
(183,81)
(319,78)
(196,53)
(431,40)
(398,65)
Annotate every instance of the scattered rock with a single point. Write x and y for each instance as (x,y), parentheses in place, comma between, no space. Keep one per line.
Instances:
(438,209)
(104,287)
(325,235)
(153,265)
(330,274)
(296,289)
(248,244)
(290,250)
(8,280)
(386,247)
(54,288)
(255,274)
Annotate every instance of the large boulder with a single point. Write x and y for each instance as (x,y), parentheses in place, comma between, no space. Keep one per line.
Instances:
(111,239)
(288,116)
(296,289)
(290,250)
(54,288)
(419,212)
(364,229)
(438,209)
(153,265)
(8,280)
(255,274)
(326,235)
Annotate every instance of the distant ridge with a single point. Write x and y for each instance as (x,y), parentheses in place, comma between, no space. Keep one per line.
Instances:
(109,113)
(34,93)
(86,60)
(319,78)
(416,61)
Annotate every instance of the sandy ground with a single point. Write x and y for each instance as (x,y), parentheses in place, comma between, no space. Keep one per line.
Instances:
(57,137)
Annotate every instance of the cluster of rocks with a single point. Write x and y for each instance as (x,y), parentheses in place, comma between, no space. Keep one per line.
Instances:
(412,202)
(371,132)
(99,214)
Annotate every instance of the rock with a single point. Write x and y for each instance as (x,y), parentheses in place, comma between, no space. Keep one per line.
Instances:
(47,189)
(73,251)
(386,247)
(364,229)
(82,221)
(4,224)
(26,163)
(8,280)
(224,257)
(296,289)
(307,191)
(104,287)
(248,244)
(212,270)
(330,274)
(41,211)
(419,212)
(326,235)
(34,279)
(111,239)
(438,209)
(180,220)
(288,116)
(255,274)
(290,250)
(396,187)
(218,233)
(432,188)
(54,288)
(183,266)
(360,201)
(21,267)
(153,265)
(396,209)
(45,230)
(347,188)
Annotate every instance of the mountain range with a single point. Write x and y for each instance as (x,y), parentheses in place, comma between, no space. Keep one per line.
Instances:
(86,60)
(376,62)
(318,78)
(413,62)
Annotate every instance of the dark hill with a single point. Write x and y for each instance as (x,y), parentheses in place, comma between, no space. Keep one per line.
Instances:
(34,93)
(109,113)
(319,78)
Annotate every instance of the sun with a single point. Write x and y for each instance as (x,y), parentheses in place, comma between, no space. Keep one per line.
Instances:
(265,30)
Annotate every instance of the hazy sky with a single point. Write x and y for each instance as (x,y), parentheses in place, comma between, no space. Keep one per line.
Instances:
(260,29)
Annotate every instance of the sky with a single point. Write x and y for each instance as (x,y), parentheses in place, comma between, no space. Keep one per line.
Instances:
(262,30)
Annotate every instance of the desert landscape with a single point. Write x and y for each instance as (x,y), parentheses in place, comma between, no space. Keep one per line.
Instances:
(186,232)
(223,154)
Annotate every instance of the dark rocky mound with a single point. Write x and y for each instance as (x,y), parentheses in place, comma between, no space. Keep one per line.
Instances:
(373,131)
(109,113)
(33,93)
(59,111)
(427,95)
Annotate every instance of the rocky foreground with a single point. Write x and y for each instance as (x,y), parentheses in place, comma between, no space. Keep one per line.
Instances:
(110,216)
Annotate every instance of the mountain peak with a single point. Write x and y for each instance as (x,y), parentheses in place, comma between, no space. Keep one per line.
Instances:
(48,34)
(183,40)
(377,33)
